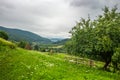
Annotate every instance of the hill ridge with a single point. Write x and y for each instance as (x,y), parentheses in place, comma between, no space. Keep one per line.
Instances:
(24,35)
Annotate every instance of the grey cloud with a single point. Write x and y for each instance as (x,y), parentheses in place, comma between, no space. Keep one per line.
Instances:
(94,4)
(51,18)
(4,4)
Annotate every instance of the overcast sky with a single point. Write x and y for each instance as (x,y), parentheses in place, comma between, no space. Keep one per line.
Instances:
(49,18)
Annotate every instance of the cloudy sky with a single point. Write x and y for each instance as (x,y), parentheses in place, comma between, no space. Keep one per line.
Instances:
(49,18)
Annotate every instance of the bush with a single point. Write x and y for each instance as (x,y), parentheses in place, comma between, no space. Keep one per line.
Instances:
(28,46)
(4,43)
(116,59)
(3,35)
(22,44)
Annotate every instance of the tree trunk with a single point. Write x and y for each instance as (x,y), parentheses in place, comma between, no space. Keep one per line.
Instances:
(107,59)
(106,65)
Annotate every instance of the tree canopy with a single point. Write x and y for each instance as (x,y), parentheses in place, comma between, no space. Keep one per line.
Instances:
(98,38)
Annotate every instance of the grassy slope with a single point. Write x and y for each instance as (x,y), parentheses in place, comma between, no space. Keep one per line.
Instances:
(19,64)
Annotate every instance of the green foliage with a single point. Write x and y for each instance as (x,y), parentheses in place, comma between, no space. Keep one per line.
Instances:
(81,41)
(36,47)
(22,44)
(4,43)
(116,59)
(3,35)
(69,47)
(99,37)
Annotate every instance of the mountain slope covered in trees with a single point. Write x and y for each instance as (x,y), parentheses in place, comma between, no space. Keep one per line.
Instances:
(21,35)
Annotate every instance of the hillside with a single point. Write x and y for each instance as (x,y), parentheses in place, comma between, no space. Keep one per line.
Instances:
(20,64)
(56,39)
(21,35)
(61,42)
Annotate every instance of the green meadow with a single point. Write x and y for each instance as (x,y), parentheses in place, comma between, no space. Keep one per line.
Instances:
(20,64)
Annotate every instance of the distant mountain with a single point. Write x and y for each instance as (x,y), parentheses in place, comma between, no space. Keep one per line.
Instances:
(21,35)
(56,39)
(61,42)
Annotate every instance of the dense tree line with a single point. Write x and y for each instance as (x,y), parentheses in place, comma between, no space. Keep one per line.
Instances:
(99,38)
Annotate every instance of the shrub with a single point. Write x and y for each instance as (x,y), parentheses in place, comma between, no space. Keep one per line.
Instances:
(22,44)
(28,46)
(3,35)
